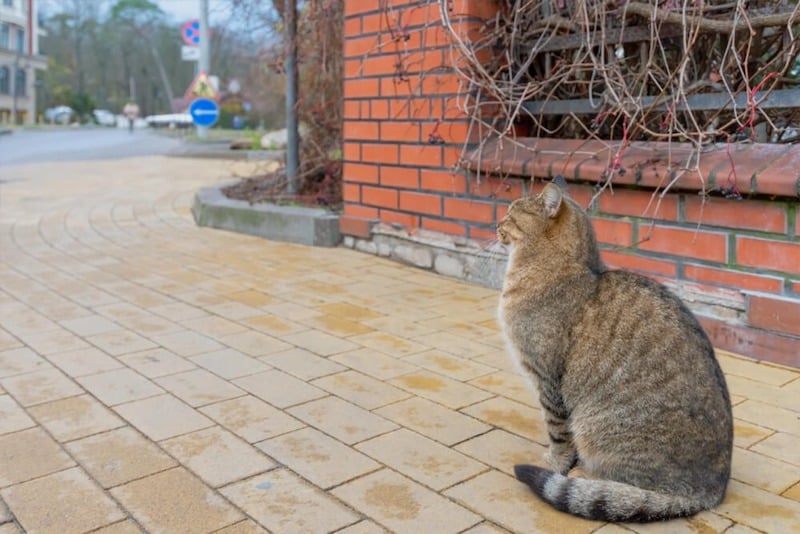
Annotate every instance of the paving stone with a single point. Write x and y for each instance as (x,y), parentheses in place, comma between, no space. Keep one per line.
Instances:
(7,341)
(421,459)
(119,456)
(83,362)
(349,311)
(118,386)
(746,434)
(156,363)
(449,365)
(455,344)
(243,527)
(29,454)
(162,417)
(119,342)
(440,389)
(12,416)
(489,528)
(793,493)
(389,344)
(67,501)
(363,527)
(510,385)
(217,456)
(279,389)
(90,325)
(187,343)
(283,502)
(175,501)
(758,371)
(317,457)
(782,397)
(503,450)
(374,363)
(273,325)
(702,522)
(53,341)
(402,505)
(303,364)
(433,420)
(344,421)
(229,364)
(123,527)
(319,343)
(5,513)
(512,416)
(510,504)
(18,361)
(759,509)
(251,419)
(781,446)
(40,386)
(769,416)
(254,343)
(75,417)
(361,389)
(199,387)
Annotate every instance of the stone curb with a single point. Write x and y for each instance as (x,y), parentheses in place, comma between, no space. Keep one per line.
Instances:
(219,153)
(293,224)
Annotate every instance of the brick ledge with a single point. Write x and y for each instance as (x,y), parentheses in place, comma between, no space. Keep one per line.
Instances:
(755,168)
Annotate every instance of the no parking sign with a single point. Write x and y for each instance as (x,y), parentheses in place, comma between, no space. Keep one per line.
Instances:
(190,32)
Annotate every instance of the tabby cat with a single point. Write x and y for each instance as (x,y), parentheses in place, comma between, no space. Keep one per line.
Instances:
(630,388)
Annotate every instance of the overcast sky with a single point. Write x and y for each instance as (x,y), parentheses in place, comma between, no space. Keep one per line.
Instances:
(183,10)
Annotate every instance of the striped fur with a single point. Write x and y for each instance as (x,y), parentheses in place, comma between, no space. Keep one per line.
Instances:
(628,382)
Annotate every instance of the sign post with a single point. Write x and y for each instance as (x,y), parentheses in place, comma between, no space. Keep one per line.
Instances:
(204,112)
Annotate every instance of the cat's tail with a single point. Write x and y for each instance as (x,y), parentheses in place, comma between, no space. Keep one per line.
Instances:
(606,500)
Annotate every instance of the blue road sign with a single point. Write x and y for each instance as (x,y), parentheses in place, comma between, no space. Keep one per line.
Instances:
(204,112)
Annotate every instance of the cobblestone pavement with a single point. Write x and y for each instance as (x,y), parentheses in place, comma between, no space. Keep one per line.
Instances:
(159,377)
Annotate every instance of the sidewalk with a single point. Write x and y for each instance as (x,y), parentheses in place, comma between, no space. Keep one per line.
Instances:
(159,377)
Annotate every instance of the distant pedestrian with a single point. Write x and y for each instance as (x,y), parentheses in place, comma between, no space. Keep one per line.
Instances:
(131,110)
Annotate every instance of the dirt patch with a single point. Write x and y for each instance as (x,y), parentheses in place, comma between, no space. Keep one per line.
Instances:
(320,189)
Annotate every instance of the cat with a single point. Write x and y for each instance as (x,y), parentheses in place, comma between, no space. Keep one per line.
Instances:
(630,387)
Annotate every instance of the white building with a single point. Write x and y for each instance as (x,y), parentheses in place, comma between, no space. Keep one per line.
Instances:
(19,60)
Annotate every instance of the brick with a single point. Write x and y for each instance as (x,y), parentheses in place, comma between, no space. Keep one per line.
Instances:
(748,214)
(766,254)
(353,27)
(698,244)
(476,232)
(377,196)
(407,220)
(422,155)
(452,156)
(443,181)
(379,109)
(357,210)
(352,109)
(730,278)
(359,47)
(386,64)
(774,313)
(357,8)
(420,203)
(351,151)
(393,87)
(490,187)
(468,210)
(403,177)
(613,232)
(441,84)
(373,23)
(365,130)
(353,68)
(358,172)
(362,88)
(425,60)
(380,153)
(351,193)
(421,15)
(444,227)
(761,344)
(638,204)
(405,131)
(640,264)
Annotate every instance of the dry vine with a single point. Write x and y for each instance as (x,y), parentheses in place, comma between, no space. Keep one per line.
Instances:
(632,71)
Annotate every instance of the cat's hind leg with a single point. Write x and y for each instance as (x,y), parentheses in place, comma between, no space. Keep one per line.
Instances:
(561,455)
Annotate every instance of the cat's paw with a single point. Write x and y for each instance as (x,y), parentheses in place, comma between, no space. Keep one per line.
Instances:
(561,461)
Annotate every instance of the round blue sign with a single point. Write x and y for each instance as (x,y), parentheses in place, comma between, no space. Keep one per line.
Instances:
(190,32)
(204,112)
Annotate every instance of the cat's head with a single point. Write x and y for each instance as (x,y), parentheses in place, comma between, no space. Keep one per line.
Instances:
(552,225)
(529,218)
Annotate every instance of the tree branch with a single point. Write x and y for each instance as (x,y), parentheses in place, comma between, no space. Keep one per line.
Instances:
(710,25)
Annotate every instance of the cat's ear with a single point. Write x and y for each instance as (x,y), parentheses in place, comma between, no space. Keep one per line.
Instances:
(552,196)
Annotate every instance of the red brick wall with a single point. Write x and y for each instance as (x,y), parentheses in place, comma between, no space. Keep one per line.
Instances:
(403,135)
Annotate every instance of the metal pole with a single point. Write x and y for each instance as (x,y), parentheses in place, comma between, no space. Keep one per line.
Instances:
(292,139)
(205,54)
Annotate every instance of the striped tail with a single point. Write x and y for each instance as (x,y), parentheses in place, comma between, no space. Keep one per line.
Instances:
(606,500)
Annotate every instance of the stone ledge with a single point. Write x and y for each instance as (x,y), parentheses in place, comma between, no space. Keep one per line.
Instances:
(759,168)
(293,224)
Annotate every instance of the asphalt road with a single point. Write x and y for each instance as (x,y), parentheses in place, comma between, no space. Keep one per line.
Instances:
(32,146)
